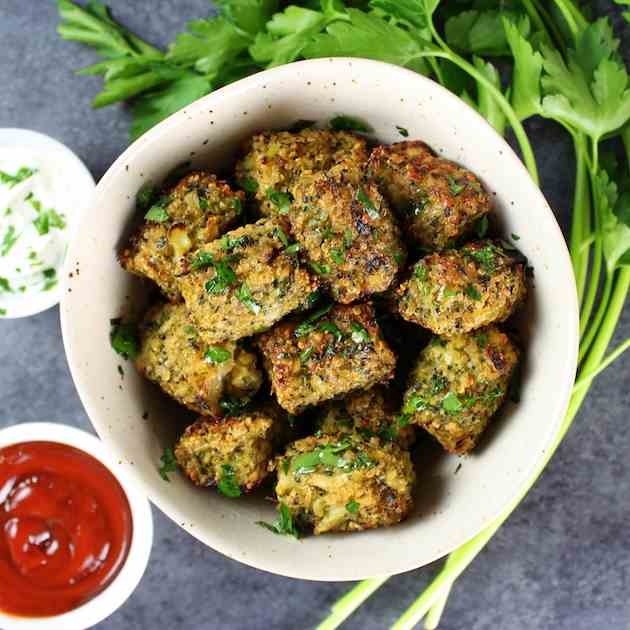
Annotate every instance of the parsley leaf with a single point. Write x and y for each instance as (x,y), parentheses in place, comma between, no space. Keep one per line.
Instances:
(23,173)
(359,334)
(243,294)
(235,406)
(168,464)
(352,506)
(284,525)
(308,325)
(208,46)
(589,91)
(124,339)
(223,279)
(451,403)
(228,486)
(349,123)
(9,240)
(472,292)
(281,200)
(157,214)
(217,354)
(366,202)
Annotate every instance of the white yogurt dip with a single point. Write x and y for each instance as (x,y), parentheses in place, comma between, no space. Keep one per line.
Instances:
(39,206)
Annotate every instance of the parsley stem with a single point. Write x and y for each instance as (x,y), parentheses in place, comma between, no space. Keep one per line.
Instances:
(597,259)
(434,615)
(344,607)
(551,26)
(581,220)
(590,333)
(521,137)
(585,379)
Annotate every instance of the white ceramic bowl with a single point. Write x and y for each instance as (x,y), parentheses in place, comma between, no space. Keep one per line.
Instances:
(79,197)
(119,589)
(450,508)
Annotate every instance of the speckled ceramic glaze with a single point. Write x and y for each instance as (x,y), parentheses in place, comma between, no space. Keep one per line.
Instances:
(455,497)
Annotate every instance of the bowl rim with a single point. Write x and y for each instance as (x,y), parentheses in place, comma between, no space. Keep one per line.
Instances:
(32,304)
(120,588)
(169,507)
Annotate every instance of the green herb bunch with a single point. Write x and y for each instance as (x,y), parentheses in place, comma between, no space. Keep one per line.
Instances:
(510,59)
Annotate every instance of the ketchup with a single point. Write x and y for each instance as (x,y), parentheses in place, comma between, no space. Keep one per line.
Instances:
(65,528)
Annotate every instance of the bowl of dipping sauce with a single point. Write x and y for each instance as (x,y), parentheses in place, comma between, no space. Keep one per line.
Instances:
(75,533)
(44,188)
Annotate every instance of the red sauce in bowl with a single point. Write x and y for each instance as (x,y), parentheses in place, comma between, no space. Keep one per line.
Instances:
(65,528)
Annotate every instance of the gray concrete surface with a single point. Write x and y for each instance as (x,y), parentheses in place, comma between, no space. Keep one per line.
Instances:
(562,562)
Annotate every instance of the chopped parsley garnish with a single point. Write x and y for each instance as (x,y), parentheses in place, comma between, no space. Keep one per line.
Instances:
(157,214)
(280,200)
(228,244)
(359,334)
(292,249)
(217,354)
(352,506)
(235,406)
(9,240)
(46,219)
(349,123)
(289,248)
(321,270)
(223,279)
(472,292)
(367,204)
(50,279)
(22,174)
(338,256)
(403,131)
(168,463)
(305,354)
(451,403)
(281,236)
(228,486)
(284,525)
(203,200)
(300,125)
(515,237)
(5,286)
(308,325)
(145,197)
(237,204)
(420,272)
(202,260)
(331,328)
(123,338)
(481,226)
(415,403)
(486,257)
(438,382)
(249,185)
(243,294)
(327,456)
(454,186)
(482,340)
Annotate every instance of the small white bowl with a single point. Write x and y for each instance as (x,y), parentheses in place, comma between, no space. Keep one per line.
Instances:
(119,589)
(450,508)
(81,195)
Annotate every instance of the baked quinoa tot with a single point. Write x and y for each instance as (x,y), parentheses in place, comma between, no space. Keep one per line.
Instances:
(371,412)
(197,375)
(330,353)
(437,200)
(342,483)
(460,290)
(458,384)
(244,282)
(347,231)
(231,453)
(194,212)
(275,160)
